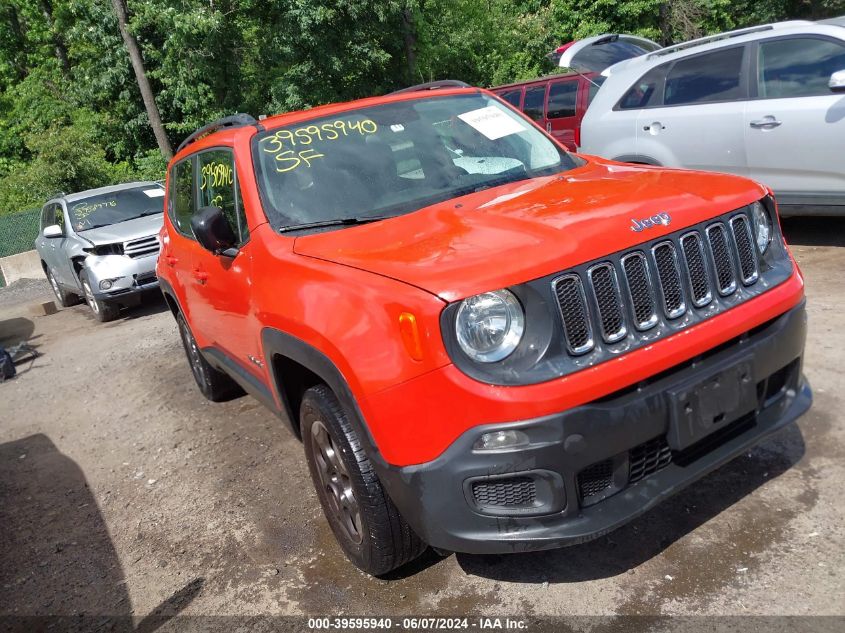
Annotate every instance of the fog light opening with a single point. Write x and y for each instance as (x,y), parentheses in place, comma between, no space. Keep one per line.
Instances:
(106,284)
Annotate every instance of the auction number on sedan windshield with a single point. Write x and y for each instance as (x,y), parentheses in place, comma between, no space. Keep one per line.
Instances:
(287,145)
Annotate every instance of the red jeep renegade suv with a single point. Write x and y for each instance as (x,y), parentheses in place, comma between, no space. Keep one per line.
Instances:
(485,343)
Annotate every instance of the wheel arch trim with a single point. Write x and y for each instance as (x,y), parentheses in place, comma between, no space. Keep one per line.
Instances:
(277,343)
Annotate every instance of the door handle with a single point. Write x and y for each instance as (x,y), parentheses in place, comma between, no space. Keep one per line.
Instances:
(170,260)
(765,123)
(200,276)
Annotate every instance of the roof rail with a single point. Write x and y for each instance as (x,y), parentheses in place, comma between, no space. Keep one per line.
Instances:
(433,85)
(710,38)
(235,120)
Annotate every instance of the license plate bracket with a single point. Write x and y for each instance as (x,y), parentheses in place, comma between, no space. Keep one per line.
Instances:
(703,406)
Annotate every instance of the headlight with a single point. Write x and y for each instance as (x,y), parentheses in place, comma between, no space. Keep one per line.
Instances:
(762,226)
(489,326)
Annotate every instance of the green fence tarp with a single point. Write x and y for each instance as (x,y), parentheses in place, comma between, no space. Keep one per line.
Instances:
(18,232)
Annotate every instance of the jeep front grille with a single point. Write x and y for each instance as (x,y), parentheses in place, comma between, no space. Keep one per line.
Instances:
(635,291)
(141,247)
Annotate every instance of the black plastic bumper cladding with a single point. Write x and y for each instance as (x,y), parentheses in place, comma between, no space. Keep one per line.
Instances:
(620,445)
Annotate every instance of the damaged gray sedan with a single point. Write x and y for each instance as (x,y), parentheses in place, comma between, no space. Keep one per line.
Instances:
(101,245)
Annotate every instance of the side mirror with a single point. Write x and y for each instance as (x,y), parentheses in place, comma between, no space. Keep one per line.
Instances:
(837,81)
(54,230)
(213,231)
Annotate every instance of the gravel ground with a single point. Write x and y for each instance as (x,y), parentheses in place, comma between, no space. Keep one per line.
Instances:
(124,492)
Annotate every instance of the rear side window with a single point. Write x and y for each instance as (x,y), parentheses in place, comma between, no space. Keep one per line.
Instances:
(181,196)
(563,96)
(512,96)
(534,98)
(218,187)
(797,67)
(705,78)
(648,90)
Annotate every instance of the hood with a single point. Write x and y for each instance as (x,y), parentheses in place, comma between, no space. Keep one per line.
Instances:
(517,232)
(124,231)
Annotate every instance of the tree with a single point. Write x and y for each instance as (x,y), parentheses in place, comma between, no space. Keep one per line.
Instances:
(141,77)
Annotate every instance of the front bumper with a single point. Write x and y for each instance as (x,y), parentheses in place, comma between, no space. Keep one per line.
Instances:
(129,276)
(595,467)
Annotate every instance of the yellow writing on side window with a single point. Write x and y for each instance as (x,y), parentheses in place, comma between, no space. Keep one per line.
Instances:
(216,174)
(283,142)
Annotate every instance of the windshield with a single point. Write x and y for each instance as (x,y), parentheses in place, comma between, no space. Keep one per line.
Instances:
(118,206)
(396,158)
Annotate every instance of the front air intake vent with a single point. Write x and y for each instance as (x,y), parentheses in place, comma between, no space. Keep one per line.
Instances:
(608,301)
(669,279)
(574,313)
(696,266)
(722,260)
(745,249)
(640,291)
(505,493)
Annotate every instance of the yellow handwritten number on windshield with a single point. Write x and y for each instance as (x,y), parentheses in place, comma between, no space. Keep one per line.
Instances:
(290,159)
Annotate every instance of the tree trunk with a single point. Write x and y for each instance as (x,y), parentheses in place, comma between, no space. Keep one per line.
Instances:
(58,43)
(141,77)
(410,39)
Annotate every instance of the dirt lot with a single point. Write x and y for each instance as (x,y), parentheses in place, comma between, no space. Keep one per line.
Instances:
(122,491)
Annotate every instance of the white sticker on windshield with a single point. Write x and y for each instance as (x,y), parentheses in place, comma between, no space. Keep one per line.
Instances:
(492,122)
(154,193)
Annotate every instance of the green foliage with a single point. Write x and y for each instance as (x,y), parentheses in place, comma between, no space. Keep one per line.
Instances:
(66,158)
(72,117)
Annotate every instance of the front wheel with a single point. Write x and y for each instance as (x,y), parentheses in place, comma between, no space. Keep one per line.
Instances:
(103,310)
(364,520)
(63,297)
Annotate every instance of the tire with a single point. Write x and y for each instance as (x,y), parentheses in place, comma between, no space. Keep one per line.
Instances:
(63,297)
(364,520)
(103,310)
(213,383)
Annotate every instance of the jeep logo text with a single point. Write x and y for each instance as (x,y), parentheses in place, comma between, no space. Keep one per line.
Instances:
(658,218)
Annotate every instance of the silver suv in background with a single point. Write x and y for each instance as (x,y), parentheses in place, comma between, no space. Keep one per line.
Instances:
(102,245)
(766,102)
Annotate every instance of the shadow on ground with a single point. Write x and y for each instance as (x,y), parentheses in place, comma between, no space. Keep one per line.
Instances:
(58,557)
(814,231)
(15,330)
(646,537)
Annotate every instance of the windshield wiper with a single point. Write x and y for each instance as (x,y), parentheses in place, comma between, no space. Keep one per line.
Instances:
(335,222)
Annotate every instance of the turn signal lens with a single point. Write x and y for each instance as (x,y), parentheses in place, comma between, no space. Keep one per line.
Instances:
(411,335)
(499,440)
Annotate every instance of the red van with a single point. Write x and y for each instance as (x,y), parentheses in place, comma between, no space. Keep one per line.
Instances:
(557,102)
